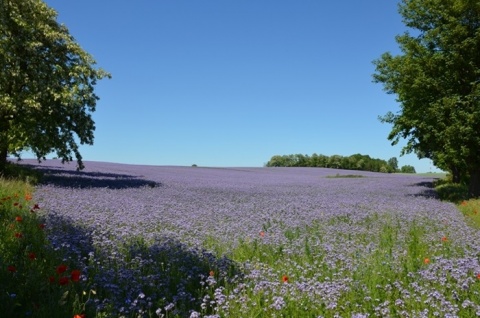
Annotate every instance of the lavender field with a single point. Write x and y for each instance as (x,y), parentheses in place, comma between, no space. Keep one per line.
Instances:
(260,242)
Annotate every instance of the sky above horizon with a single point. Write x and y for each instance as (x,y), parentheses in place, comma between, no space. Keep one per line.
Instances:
(233,83)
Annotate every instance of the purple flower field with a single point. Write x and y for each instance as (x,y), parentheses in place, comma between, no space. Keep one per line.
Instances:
(267,242)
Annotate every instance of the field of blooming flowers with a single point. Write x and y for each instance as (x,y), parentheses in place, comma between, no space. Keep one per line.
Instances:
(259,242)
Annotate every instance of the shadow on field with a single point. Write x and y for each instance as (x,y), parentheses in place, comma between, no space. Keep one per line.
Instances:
(133,276)
(82,179)
(428,192)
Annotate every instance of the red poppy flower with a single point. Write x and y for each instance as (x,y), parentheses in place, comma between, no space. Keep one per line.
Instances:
(444,239)
(32,256)
(41,226)
(75,275)
(19,219)
(11,269)
(61,268)
(426,261)
(285,278)
(18,235)
(80,316)
(28,196)
(262,234)
(63,281)
(478,275)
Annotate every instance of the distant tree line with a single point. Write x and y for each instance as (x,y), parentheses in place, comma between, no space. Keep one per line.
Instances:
(353,162)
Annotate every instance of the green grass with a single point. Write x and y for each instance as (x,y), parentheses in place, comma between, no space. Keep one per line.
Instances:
(471,210)
(31,281)
(437,175)
(458,194)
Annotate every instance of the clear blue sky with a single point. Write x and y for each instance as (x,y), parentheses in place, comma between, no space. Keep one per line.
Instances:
(232,83)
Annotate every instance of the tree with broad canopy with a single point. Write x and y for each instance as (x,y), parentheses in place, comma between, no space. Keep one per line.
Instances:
(436,79)
(46,84)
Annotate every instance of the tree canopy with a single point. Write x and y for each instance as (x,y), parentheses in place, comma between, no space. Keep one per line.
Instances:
(353,162)
(46,84)
(436,79)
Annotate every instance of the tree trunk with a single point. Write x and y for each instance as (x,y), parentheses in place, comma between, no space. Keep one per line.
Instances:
(3,157)
(455,174)
(474,184)
(4,127)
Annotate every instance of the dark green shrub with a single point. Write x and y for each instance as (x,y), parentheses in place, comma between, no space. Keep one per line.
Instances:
(452,192)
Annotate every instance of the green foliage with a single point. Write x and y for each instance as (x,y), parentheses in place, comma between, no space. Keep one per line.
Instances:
(393,164)
(452,192)
(408,169)
(353,162)
(46,84)
(436,81)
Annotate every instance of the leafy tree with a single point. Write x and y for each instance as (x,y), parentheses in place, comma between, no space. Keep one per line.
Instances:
(46,84)
(408,169)
(335,161)
(355,162)
(392,164)
(436,79)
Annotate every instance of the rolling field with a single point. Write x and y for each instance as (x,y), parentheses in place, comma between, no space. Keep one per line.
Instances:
(259,242)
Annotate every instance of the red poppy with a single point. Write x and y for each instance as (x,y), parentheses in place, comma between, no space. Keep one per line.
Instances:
(262,234)
(63,281)
(32,256)
(11,269)
(426,261)
(19,219)
(444,239)
(80,316)
(41,226)
(28,196)
(75,276)
(18,235)
(285,278)
(61,268)
(478,275)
